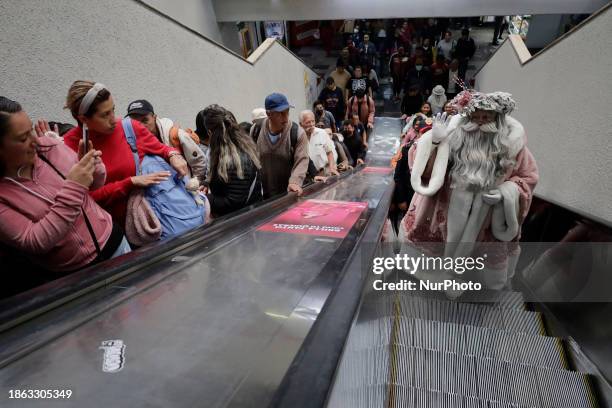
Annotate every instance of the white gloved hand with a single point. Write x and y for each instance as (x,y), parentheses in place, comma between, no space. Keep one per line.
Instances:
(492,197)
(439,128)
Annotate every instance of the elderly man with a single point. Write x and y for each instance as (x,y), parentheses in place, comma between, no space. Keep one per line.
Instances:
(282,147)
(321,148)
(474,177)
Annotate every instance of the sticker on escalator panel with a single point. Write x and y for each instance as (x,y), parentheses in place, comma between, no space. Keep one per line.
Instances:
(324,218)
(114,355)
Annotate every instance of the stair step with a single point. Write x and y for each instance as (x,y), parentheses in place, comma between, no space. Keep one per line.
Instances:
(471,314)
(492,380)
(462,378)
(500,299)
(459,339)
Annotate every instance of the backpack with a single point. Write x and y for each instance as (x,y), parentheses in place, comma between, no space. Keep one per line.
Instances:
(175,208)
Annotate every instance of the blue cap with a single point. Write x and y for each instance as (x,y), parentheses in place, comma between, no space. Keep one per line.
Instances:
(277,103)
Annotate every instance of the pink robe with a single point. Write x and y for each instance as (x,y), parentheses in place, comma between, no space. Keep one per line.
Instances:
(426,220)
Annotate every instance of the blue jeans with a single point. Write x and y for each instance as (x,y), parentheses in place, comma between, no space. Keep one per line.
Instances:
(123,248)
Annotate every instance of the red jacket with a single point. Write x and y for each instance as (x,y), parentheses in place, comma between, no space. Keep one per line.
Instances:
(119,162)
(44,216)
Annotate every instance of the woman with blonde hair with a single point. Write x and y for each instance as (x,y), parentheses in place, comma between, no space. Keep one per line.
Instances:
(235,176)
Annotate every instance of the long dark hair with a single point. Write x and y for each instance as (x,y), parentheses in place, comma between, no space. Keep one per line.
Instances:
(227,143)
(7,108)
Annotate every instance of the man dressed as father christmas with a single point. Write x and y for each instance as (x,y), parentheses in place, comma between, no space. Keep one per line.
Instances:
(473,178)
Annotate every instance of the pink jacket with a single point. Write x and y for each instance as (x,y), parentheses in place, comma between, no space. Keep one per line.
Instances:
(56,233)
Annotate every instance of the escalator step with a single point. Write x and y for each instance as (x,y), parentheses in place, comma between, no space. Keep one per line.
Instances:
(492,380)
(362,368)
(481,341)
(472,379)
(500,299)
(471,314)
(361,397)
(399,396)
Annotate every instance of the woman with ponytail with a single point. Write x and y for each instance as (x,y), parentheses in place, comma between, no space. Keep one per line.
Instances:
(235,169)
(92,106)
(46,212)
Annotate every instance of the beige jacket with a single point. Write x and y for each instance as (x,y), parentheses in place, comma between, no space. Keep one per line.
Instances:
(194,156)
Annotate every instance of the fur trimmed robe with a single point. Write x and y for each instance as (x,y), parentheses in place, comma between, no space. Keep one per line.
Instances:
(461,219)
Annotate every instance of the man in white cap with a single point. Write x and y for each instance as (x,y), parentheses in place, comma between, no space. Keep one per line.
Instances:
(474,178)
(258,114)
(437,99)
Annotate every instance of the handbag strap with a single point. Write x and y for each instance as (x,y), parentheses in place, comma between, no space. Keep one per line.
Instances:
(130,137)
(87,222)
(252,188)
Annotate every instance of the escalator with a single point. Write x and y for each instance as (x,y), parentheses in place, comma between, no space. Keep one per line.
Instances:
(239,314)
(416,349)
(214,318)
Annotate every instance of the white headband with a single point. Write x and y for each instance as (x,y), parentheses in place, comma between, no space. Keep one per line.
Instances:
(89,97)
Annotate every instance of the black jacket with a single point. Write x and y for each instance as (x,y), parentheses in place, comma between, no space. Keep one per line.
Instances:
(355,147)
(231,196)
(465,49)
(333,102)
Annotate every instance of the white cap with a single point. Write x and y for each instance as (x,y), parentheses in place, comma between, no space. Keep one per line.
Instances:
(258,113)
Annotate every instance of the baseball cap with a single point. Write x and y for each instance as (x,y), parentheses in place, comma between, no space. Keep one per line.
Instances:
(277,102)
(258,113)
(139,107)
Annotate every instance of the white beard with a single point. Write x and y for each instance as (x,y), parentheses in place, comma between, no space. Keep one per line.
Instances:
(479,155)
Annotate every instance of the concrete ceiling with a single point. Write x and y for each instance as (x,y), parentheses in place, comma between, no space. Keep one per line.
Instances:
(261,10)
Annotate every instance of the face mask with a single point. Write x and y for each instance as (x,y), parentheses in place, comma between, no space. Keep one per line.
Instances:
(418,67)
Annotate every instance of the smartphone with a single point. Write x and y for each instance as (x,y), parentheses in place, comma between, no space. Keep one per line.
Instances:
(85,139)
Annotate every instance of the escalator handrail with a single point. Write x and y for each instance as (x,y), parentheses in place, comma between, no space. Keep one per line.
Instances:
(34,302)
(309,378)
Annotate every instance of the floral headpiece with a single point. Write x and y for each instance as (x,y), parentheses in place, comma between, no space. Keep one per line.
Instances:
(469,100)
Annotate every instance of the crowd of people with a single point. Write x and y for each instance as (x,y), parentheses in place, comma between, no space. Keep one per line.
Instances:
(75,195)
(420,56)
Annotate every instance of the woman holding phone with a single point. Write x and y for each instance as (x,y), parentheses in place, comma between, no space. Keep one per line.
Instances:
(46,212)
(92,105)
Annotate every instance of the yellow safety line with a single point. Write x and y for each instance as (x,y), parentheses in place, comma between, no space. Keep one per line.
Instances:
(542,327)
(393,353)
(562,355)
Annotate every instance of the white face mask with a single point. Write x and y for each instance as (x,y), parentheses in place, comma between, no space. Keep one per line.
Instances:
(418,67)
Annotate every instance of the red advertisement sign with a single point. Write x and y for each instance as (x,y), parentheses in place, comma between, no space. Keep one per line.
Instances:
(376,170)
(323,218)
